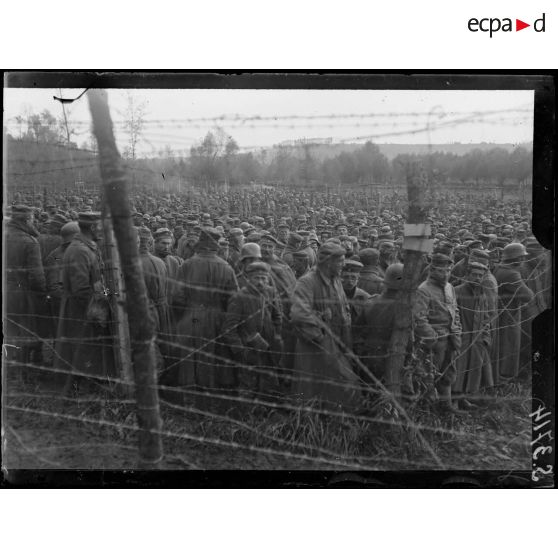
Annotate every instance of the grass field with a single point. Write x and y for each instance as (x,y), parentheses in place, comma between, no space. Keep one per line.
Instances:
(98,431)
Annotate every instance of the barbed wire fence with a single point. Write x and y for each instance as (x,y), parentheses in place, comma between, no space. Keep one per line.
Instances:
(298,432)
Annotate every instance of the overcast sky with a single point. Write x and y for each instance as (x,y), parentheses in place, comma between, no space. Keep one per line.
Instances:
(381,116)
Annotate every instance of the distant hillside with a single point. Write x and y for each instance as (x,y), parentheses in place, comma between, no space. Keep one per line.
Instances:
(391,150)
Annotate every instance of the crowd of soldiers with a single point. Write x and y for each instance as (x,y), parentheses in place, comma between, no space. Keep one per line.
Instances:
(282,294)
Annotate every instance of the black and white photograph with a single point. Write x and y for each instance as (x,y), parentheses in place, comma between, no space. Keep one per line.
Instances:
(278,273)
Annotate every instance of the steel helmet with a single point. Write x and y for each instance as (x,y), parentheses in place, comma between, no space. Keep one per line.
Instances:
(393,278)
(250,250)
(513,251)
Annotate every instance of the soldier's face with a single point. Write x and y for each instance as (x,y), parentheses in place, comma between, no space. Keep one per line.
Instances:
(475,276)
(163,246)
(259,280)
(440,274)
(349,280)
(283,235)
(237,240)
(267,249)
(334,266)
(96,231)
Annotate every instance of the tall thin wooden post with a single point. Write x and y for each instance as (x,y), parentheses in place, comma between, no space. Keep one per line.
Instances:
(416,189)
(116,191)
(120,328)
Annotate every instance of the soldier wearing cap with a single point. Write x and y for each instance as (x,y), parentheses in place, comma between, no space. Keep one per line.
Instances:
(437,325)
(294,244)
(515,303)
(387,255)
(370,279)
(374,326)
(202,291)
(83,340)
(162,248)
(25,288)
(284,280)
(301,263)
(320,314)
(155,276)
(460,269)
(187,243)
(253,332)
(474,369)
(283,232)
(51,239)
(356,296)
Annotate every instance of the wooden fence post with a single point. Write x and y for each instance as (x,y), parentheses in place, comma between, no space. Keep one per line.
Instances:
(120,328)
(416,189)
(142,332)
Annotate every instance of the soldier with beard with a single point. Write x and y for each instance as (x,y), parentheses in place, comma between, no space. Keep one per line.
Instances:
(25,286)
(188,241)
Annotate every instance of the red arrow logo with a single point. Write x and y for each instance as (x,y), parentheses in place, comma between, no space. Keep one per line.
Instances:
(519,25)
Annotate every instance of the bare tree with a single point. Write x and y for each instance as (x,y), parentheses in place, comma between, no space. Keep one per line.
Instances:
(134,122)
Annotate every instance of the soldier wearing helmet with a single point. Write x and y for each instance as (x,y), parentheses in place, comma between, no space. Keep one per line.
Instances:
(515,300)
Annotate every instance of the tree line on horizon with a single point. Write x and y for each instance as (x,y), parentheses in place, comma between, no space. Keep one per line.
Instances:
(44,153)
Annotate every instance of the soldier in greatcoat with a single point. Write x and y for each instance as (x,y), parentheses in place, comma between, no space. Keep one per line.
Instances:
(515,300)
(25,287)
(53,265)
(321,318)
(155,276)
(253,331)
(349,279)
(83,341)
(374,326)
(370,279)
(202,291)
(474,370)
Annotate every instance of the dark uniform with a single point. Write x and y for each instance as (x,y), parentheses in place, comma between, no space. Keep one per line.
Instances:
(25,286)
(82,345)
